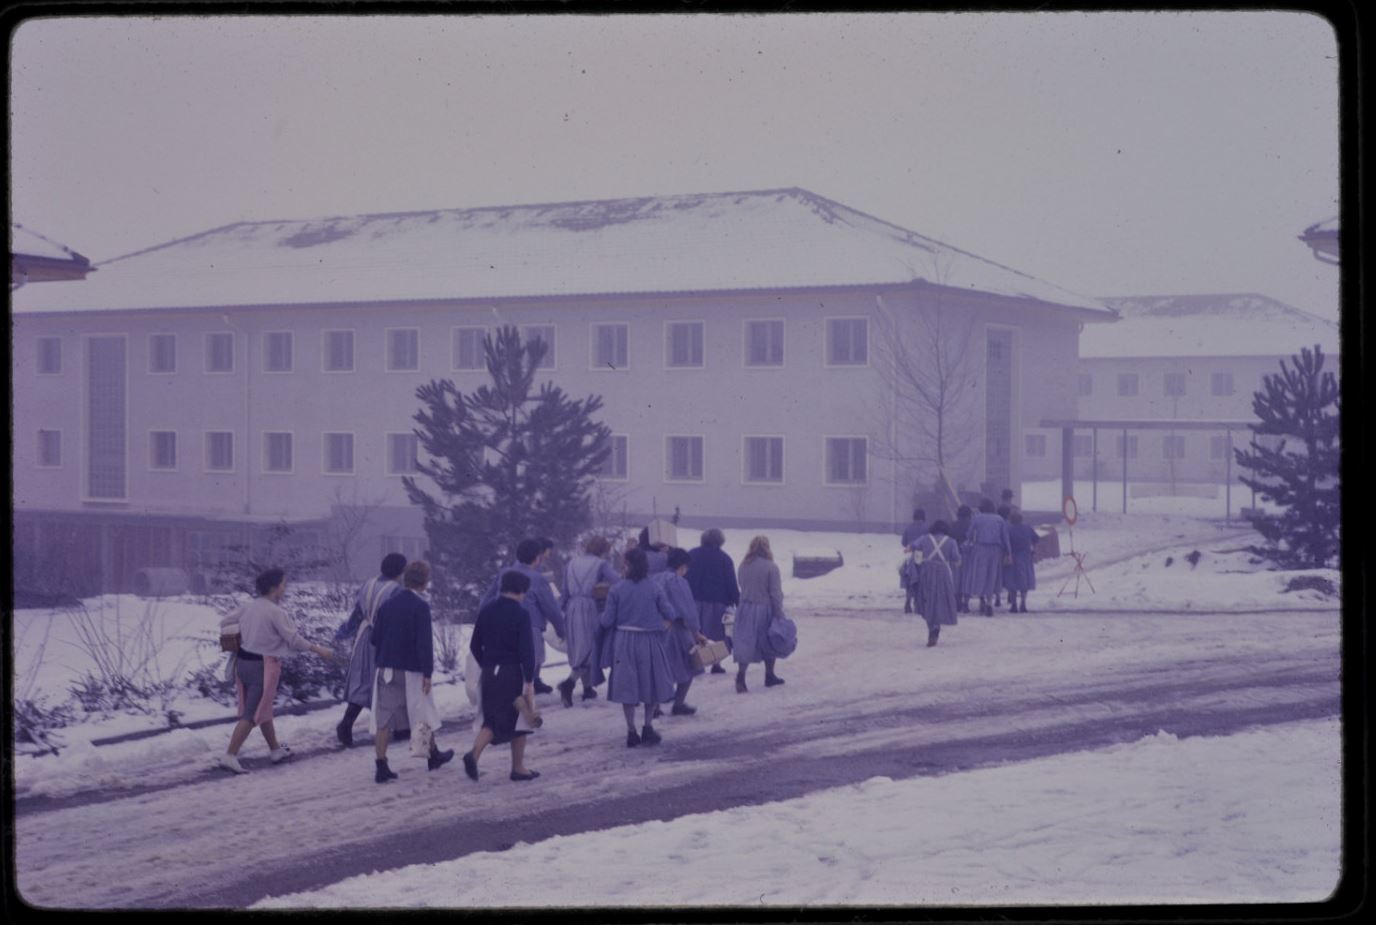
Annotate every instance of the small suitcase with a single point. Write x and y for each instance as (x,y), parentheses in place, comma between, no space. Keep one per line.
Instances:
(709,653)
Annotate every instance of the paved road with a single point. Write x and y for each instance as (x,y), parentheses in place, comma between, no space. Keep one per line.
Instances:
(221,842)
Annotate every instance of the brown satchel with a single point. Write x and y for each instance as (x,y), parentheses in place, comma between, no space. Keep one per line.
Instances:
(229,642)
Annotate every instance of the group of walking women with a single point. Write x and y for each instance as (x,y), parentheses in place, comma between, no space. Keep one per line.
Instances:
(634,628)
(980,556)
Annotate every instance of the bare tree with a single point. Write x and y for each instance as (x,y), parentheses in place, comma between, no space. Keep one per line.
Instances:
(926,367)
(351,516)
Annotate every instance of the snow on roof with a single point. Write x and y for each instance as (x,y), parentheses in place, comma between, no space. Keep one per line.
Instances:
(1226,324)
(26,242)
(768,239)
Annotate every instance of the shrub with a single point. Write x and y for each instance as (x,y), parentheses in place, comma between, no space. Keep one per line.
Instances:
(35,724)
(1312,583)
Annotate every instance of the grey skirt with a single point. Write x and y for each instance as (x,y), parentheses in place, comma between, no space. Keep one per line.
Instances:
(391,701)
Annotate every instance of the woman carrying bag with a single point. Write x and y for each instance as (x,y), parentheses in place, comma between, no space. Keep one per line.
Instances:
(762,603)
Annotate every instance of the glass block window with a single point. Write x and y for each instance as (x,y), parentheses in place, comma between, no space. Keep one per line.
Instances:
(610,345)
(106,418)
(219,451)
(162,353)
(1173,446)
(1084,386)
(614,467)
(1127,447)
(846,460)
(685,343)
(402,453)
(162,449)
(545,334)
(339,351)
(219,352)
(764,459)
(49,356)
(1081,445)
(1221,383)
(50,448)
(847,341)
(468,348)
(1035,445)
(403,349)
(277,352)
(1174,385)
(764,343)
(1127,384)
(685,459)
(339,453)
(277,452)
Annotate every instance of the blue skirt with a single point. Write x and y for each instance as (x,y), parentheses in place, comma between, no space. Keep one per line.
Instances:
(640,668)
(750,639)
(1020,576)
(985,567)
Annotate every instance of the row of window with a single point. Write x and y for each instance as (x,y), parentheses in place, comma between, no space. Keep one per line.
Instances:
(1172,384)
(685,456)
(847,345)
(279,454)
(1172,446)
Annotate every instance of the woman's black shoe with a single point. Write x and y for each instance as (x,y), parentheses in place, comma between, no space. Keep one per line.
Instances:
(773,681)
(345,734)
(470,765)
(649,736)
(717,669)
(682,709)
(589,694)
(632,739)
(542,688)
(384,773)
(529,775)
(438,757)
(932,635)
(566,691)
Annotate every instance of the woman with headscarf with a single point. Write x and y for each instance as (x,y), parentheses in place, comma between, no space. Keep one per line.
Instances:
(762,599)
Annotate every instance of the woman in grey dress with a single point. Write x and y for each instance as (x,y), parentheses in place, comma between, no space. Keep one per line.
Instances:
(685,632)
(640,614)
(936,593)
(581,576)
(989,539)
(762,599)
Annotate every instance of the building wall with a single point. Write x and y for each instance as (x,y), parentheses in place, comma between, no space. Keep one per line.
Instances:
(805,400)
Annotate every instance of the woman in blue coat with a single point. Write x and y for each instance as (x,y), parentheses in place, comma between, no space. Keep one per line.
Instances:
(1020,577)
(936,592)
(639,613)
(989,552)
(685,632)
(581,577)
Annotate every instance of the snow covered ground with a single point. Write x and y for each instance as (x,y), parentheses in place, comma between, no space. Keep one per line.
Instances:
(1160,820)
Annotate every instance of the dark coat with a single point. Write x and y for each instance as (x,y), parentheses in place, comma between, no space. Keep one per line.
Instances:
(403,635)
(503,636)
(712,576)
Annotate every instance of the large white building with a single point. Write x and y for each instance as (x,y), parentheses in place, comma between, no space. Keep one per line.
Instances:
(189,393)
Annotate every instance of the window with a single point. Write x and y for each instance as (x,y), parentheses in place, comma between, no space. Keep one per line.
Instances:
(219,451)
(1221,383)
(1218,446)
(1081,445)
(846,460)
(106,418)
(339,453)
(1127,384)
(468,348)
(609,346)
(1085,385)
(1173,446)
(219,353)
(277,455)
(764,459)
(49,356)
(847,341)
(685,459)
(162,353)
(339,351)
(685,344)
(162,449)
(615,465)
(1174,384)
(1126,446)
(403,349)
(49,449)
(764,343)
(412,547)
(545,334)
(402,451)
(1035,445)
(277,356)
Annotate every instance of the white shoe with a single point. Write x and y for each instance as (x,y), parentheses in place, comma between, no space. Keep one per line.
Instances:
(231,763)
(279,754)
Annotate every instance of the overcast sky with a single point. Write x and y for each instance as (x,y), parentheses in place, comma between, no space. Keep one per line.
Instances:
(1109,153)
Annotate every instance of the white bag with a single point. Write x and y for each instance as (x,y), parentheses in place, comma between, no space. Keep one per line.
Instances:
(421,737)
(553,641)
(472,671)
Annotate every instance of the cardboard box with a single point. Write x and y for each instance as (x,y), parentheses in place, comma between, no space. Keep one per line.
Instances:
(709,653)
(662,531)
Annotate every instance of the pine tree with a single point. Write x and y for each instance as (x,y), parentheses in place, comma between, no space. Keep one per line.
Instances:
(509,460)
(1302,405)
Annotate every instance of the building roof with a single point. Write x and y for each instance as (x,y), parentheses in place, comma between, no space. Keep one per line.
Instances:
(760,240)
(1223,324)
(25,242)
